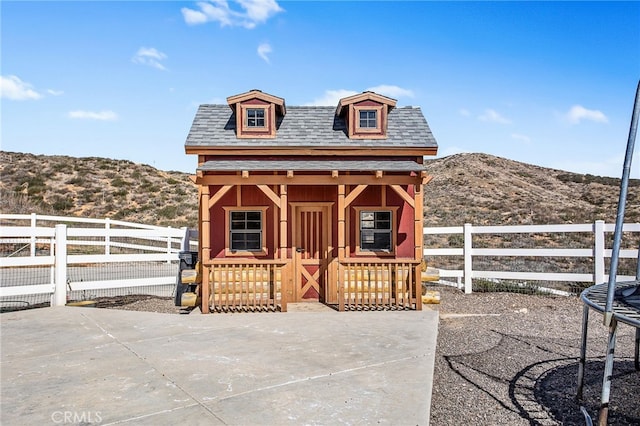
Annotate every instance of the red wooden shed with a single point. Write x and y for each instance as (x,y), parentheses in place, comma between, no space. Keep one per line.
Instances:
(310,203)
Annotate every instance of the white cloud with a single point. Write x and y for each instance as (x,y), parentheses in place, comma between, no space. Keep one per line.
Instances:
(521,138)
(263,51)
(392,91)
(493,116)
(251,13)
(149,56)
(331,97)
(55,92)
(577,113)
(92,115)
(11,87)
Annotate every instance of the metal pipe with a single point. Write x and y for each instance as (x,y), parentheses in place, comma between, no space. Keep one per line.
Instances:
(622,200)
(603,413)
(583,351)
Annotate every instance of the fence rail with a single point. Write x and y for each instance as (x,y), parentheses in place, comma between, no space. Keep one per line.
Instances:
(593,257)
(61,251)
(59,258)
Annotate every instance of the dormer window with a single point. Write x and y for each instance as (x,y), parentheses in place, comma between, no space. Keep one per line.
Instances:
(366,115)
(368,119)
(257,114)
(255,117)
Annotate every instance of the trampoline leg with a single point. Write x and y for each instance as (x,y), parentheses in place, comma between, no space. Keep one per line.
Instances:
(583,351)
(603,414)
(637,354)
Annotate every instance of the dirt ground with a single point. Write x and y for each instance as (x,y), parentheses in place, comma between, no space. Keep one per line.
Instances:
(509,359)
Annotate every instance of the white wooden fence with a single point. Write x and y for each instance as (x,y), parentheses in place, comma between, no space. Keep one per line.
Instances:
(56,243)
(35,241)
(598,252)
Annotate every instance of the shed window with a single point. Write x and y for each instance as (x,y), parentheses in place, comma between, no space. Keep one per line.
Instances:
(368,119)
(255,117)
(245,231)
(376,230)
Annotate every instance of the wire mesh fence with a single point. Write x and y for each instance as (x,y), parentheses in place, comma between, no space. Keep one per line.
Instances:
(102,259)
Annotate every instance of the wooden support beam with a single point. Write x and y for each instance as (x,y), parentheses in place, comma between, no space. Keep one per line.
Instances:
(379,174)
(193,178)
(245,174)
(269,193)
(334,173)
(342,206)
(426,178)
(287,282)
(205,248)
(418,231)
(319,179)
(289,174)
(405,196)
(219,194)
(353,194)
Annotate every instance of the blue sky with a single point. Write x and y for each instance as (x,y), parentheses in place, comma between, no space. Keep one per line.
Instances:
(546,83)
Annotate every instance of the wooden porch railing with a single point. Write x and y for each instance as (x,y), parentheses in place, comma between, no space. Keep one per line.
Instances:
(247,285)
(379,284)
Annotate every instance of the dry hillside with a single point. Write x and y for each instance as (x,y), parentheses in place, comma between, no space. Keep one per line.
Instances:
(482,189)
(475,188)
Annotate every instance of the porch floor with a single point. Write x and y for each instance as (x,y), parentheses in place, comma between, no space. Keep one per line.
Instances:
(300,367)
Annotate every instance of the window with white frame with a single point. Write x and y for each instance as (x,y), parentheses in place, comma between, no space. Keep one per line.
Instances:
(376,230)
(245,230)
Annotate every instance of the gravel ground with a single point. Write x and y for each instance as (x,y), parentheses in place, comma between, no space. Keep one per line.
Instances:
(509,359)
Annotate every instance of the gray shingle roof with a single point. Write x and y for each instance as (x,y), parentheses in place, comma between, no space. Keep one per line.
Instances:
(340,165)
(309,126)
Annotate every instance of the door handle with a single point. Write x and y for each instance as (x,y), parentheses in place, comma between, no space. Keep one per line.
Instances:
(300,250)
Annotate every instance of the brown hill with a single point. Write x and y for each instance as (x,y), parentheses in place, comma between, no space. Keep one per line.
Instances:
(482,189)
(477,188)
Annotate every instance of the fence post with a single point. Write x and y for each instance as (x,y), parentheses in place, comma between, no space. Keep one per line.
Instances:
(107,237)
(598,252)
(467,258)
(184,244)
(32,251)
(59,297)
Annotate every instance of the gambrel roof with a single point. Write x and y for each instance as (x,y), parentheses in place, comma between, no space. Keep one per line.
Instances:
(309,126)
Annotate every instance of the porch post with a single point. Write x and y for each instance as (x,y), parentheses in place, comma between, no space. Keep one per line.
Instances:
(286,277)
(418,238)
(205,248)
(341,245)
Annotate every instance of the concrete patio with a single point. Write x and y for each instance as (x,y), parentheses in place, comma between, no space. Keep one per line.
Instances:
(72,365)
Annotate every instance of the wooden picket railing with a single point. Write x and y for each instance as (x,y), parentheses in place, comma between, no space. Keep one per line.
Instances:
(378,284)
(247,285)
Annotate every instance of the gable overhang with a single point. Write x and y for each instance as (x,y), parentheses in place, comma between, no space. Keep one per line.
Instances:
(321,172)
(311,151)
(365,96)
(233,101)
